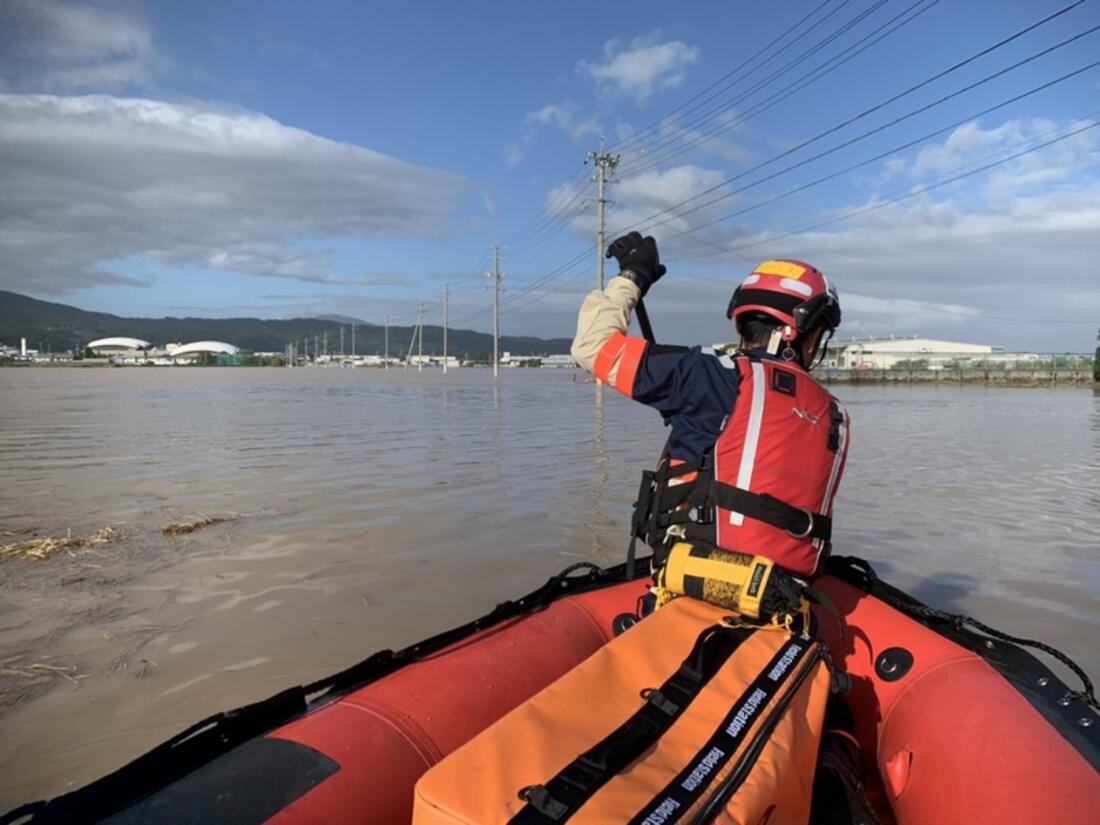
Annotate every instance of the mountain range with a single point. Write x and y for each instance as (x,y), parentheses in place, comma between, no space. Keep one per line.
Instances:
(49,326)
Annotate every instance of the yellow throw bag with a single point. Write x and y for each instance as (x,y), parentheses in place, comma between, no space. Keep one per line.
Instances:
(689,716)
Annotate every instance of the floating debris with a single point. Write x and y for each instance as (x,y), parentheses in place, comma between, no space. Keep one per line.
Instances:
(39,671)
(47,546)
(184,527)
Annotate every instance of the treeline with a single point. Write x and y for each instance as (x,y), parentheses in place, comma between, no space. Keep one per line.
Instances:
(56,327)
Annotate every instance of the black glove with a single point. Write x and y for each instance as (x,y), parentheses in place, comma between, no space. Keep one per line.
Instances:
(637,257)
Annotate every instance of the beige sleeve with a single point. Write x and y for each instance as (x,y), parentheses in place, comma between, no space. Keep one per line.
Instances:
(603,313)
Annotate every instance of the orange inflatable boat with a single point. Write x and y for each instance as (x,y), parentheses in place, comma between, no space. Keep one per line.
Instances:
(956,723)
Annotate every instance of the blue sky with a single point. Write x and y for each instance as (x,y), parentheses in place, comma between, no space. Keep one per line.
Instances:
(281,159)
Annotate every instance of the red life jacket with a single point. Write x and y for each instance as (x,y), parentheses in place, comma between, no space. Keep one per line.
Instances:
(787,438)
(767,485)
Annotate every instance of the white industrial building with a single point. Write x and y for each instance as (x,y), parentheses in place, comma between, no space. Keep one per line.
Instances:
(119,345)
(929,353)
(193,350)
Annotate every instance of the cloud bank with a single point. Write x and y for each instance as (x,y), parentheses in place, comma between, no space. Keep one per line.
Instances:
(63,46)
(96,178)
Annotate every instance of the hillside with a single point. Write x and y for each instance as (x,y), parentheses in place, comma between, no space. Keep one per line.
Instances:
(51,326)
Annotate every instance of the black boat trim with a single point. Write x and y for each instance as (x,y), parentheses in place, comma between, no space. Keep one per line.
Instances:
(220,733)
(246,786)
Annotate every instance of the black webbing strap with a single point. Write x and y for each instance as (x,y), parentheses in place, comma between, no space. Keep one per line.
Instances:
(561,797)
(836,421)
(688,787)
(771,510)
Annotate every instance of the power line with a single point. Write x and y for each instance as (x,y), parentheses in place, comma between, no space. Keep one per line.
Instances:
(562,204)
(880,156)
(734,248)
(912,193)
(552,225)
(863,114)
(790,65)
(514,238)
(914,11)
(636,138)
(570,264)
(876,130)
(881,128)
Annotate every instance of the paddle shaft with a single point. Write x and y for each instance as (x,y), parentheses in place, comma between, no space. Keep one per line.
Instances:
(643,321)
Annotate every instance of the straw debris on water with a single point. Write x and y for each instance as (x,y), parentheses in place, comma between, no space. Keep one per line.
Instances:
(185,527)
(46,546)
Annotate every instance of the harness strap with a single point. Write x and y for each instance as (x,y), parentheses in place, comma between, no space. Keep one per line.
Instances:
(771,510)
(560,797)
(836,421)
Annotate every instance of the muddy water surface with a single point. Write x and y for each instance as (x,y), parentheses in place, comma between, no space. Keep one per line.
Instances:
(370,508)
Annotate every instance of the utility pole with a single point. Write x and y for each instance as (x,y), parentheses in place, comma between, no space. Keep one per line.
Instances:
(420,338)
(446,296)
(353,340)
(341,341)
(605,174)
(386,357)
(324,343)
(497,274)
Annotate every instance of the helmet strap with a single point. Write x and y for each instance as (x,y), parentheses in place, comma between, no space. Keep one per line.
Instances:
(824,349)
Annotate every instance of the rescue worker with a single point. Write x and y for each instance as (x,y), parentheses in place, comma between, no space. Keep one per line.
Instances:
(757,446)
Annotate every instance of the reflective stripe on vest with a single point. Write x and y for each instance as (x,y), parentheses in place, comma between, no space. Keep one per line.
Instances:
(777,442)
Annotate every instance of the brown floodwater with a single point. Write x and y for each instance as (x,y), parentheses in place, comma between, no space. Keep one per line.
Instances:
(370,508)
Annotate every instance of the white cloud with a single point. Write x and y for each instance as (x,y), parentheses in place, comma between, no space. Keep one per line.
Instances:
(636,197)
(564,116)
(73,46)
(1006,258)
(92,179)
(960,264)
(642,67)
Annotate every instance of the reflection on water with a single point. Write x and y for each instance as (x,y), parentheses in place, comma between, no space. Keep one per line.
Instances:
(375,507)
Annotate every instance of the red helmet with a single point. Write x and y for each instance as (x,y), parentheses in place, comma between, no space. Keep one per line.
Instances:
(794,293)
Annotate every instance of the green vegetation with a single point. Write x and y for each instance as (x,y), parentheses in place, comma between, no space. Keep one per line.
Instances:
(911,364)
(48,325)
(1096,360)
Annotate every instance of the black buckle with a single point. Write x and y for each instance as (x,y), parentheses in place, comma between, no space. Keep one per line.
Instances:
(701,515)
(662,702)
(540,799)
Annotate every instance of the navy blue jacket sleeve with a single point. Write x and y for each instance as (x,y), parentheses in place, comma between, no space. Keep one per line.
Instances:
(695,387)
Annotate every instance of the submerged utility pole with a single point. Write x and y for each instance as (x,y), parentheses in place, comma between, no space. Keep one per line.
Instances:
(496,310)
(353,339)
(605,174)
(420,338)
(446,296)
(386,357)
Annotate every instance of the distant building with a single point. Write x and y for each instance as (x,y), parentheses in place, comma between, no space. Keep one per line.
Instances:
(120,347)
(225,353)
(559,361)
(927,353)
